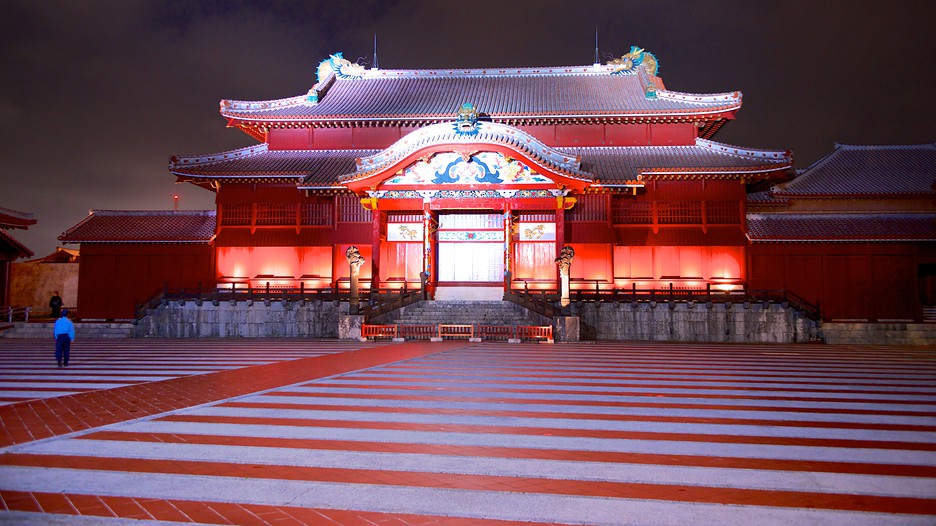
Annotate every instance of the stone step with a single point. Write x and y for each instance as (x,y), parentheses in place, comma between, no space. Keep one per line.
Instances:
(82,330)
(463,313)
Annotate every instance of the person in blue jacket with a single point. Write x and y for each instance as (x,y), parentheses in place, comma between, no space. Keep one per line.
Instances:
(64,333)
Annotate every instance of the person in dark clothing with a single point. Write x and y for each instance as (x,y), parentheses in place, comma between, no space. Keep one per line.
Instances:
(56,305)
(64,334)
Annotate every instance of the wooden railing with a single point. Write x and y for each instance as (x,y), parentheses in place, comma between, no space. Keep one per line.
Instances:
(378,331)
(233,293)
(455,331)
(371,302)
(546,301)
(417,332)
(535,333)
(449,331)
(384,300)
(11,313)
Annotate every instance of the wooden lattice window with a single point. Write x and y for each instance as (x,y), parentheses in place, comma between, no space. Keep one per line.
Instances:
(722,212)
(404,217)
(350,210)
(679,212)
(592,207)
(630,212)
(317,214)
(235,214)
(536,217)
(276,214)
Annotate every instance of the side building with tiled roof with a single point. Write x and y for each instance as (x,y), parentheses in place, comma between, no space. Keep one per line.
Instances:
(11,249)
(128,256)
(854,233)
(465,177)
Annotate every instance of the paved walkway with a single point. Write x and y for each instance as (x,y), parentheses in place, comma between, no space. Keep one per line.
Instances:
(456,433)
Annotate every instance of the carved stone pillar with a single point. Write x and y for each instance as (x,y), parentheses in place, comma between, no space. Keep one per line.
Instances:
(355,260)
(565,262)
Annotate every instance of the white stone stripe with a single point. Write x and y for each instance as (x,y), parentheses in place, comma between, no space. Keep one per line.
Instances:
(675,447)
(623,412)
(608,370)
(429,501)
(805,481)
(26,518)
(66,383)
(709,381)
(428,383)
(582,423)
(119,369)
(36,394)
(318,388)
(71,376)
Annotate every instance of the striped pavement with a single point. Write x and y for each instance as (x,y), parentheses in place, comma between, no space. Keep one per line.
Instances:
(28,369)
(606,434)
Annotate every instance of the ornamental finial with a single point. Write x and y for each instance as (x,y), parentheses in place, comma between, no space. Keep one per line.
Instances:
(467,119)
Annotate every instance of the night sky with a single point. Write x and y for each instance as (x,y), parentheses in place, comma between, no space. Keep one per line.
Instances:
(96,95)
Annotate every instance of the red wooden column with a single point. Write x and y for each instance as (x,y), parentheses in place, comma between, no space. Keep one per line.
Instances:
(508,249)
(428,256)
(377,222)
(560,234)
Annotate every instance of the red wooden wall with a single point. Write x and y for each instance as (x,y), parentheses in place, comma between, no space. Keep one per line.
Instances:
(850,281)
(114,279)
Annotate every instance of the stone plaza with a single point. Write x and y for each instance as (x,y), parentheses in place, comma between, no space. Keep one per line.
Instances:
(297,431)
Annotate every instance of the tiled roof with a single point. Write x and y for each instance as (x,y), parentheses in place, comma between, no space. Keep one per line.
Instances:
(609,164)
(826,227)
(851,171)
(575,91)
(615,164)
(10,245)
(143,226)
(765,199)
(318,167)
(14,219)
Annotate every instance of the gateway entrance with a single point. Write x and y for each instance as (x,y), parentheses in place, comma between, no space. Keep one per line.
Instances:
(470,256)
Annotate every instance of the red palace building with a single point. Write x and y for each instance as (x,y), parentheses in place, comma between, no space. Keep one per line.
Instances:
(463,177)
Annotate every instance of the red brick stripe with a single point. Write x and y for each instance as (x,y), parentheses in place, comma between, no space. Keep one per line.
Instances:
(43,418)
(526,453)
(225,512)
(667,492)
(553,431)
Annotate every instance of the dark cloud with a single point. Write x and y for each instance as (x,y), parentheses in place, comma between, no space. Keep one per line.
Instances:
(95,95)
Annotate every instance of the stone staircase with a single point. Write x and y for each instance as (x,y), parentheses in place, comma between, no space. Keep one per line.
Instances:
(82,330)
(462,313)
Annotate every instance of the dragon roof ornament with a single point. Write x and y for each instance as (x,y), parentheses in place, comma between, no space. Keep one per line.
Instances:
(637,56)
(335,66)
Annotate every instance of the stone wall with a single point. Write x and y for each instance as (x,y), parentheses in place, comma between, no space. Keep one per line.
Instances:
(32,284)
(694,322)
(879,333)
(243,319)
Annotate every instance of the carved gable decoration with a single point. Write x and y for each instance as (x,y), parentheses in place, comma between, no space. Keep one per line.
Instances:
(481,168)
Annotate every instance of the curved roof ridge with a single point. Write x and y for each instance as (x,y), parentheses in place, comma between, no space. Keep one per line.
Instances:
(271,104)
(700,98)
(590,69)
(926,145)
(753,153)
(153,212)
(178,161)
